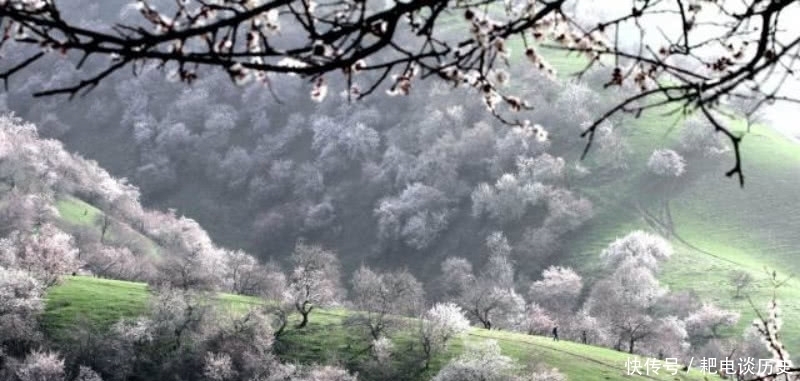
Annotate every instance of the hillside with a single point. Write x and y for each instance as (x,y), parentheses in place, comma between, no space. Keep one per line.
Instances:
(80,299)
(101,302)
(76,214)
(719,227)
(727,227)
(723,228)
(436,214)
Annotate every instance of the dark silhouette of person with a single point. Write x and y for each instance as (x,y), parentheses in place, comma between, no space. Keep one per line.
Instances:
(583,337)
(555,333)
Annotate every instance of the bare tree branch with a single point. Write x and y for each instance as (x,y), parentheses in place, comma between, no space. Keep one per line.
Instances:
(720,48)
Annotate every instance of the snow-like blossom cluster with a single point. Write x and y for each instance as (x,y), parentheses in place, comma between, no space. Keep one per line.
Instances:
(667,163)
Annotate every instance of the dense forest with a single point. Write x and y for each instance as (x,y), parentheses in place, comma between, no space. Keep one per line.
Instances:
(421,176)
(182,334)
(229,226)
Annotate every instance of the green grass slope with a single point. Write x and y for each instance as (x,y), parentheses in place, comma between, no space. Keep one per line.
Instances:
(77,212)
(727,227)
(77,215)
(85,300)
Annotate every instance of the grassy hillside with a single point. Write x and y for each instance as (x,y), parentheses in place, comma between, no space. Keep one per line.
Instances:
(82,300)
(733,228)
(77,215)
(720,227)
(77,212)
(726,227)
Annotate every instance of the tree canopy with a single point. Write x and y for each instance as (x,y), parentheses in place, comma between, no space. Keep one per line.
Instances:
(689,55)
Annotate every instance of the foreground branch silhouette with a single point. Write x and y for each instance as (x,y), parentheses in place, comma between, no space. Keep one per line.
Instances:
(722,50)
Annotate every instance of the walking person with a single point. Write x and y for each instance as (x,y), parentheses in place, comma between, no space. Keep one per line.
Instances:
(555,333)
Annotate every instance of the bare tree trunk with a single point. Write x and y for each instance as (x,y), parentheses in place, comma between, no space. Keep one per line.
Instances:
(104,228)
(304,321)
(668,217)
(284,320)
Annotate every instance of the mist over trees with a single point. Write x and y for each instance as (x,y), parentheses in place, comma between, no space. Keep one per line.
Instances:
(368,179)
(424,216)
(186,332)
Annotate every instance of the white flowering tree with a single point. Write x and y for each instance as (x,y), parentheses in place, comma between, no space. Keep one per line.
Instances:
(612,149)
(624,301)
(489,297)
(245,275)
(542,168)
(218,367)
(666,163)
(42,366)
(240,348)
(117,262)
(324,373)
(382,298)
(21,302)
(457,275)
(557,291)
(750,110)
(537,320)
(417,215)
(191,336)
(195,268)
(708,322)
(21,212)
(382,349)
(741,280)
(362,49)
(48,254)
(507,200)
(592,330)
(484,361)
(193,262)
(640,248)
(314,281)
(513,196)
(669,339)
(339,143)
(440,324)
(480,362)
(667,166)
(698,137)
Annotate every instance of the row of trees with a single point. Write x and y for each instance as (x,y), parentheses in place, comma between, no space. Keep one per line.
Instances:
(296,168)
(370,180)
(181,332)
(626,309)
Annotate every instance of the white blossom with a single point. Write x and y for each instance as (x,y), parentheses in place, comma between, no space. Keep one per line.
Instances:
(666,162)
(440,324)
